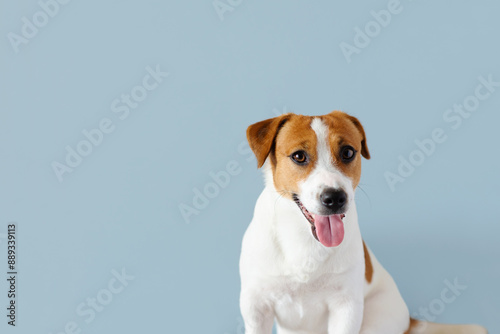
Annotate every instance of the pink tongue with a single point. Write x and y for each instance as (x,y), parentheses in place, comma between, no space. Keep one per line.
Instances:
(329,229)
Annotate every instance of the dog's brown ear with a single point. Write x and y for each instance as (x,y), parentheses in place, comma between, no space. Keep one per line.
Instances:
(364,147)
(261,136)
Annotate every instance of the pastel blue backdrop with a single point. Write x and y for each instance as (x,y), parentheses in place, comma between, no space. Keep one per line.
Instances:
(228,67)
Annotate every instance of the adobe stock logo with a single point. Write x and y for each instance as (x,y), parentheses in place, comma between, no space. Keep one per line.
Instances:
(223,6)
(88,310)
(219,180)
(448,295)
(363,36)
(454,116)
(122,107)
(31,27)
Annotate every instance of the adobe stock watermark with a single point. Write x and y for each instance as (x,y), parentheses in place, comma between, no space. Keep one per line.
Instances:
(121,107)
(88,310)
(31,26)
(225,6)
(279,112)
(453,117)
(437,306)
(219,180)
(371,29)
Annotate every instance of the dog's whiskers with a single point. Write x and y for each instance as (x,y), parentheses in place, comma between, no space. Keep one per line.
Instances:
(366,194)
(282,194)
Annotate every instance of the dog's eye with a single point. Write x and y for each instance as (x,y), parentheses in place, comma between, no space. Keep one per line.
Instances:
(347,153)
(299,157)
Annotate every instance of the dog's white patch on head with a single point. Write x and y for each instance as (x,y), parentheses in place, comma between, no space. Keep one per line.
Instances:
(325,174)
(323,147)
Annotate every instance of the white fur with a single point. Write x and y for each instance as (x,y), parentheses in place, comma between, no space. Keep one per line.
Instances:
(324,175)
(287,275)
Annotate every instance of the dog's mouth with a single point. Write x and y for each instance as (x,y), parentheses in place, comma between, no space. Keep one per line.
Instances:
(329,230)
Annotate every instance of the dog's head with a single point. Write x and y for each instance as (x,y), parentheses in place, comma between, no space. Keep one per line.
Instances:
(315,162)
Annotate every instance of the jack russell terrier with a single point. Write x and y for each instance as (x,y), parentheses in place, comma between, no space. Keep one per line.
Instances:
(303,261)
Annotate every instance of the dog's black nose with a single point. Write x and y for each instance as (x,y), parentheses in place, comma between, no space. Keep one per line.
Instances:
(333,199)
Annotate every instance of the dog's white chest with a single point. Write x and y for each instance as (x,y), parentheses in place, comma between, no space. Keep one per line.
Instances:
(300,309)
(304,305)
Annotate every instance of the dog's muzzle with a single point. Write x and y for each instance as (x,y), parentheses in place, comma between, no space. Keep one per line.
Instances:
(327,229)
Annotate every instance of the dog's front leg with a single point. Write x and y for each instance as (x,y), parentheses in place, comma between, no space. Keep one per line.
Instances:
(346,315)
(257,313)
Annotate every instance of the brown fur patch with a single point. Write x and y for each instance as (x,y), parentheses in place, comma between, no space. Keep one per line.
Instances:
(261,136)
(346,130)
(413,324)
(368,264)
(296,135)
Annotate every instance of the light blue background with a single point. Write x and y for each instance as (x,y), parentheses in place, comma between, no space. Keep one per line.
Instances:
(120,207)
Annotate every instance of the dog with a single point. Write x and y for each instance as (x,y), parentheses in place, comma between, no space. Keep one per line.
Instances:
(303,262)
